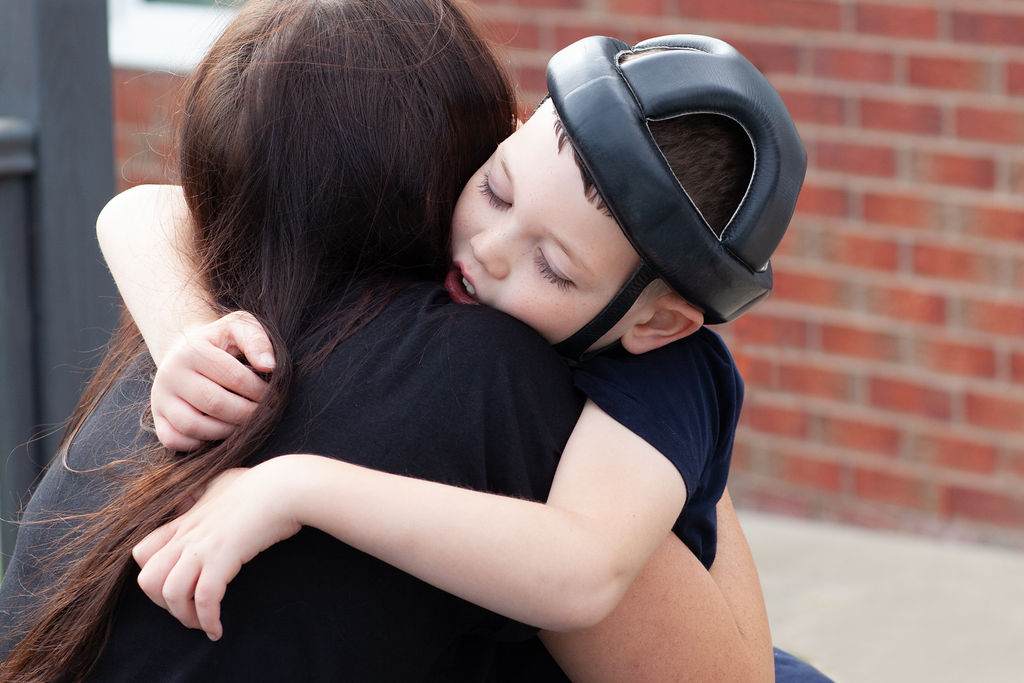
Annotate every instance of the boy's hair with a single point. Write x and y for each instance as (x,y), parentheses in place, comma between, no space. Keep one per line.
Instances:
(713,160)
(710,155)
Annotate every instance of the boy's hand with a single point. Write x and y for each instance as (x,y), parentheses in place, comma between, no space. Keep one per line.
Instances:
(202,391)
(187,564)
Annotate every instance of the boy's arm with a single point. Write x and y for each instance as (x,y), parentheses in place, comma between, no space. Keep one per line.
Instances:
(678,622)
(562,565)
(143,233)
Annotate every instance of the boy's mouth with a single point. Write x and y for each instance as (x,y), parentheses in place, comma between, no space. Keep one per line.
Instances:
(459,288)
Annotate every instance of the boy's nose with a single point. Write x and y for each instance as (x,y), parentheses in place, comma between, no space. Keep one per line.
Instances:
(489,249)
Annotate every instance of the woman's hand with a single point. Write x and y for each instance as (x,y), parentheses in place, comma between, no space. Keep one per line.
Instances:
(202,391)
(187,564)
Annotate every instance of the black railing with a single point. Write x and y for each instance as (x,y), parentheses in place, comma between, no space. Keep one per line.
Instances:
(56,172)
(17,397)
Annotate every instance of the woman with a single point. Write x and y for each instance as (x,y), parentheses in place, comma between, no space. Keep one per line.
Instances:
(323,146)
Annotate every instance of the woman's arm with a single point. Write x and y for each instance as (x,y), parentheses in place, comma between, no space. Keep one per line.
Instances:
(678,622)
(562,565)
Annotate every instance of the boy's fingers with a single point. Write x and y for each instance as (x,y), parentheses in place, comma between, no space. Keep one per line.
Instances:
(189,422)
(255,345)
(208,397)
(179,588)
(152,543)
(241,331)
(209,592)
(154,573)
(173,439)
(230,373)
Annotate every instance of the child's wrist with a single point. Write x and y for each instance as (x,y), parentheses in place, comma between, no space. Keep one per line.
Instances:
(293,486)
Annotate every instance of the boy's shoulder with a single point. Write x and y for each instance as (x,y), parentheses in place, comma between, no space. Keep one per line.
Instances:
(693,376)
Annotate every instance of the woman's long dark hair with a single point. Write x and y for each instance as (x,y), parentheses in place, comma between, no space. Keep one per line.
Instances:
(323,145)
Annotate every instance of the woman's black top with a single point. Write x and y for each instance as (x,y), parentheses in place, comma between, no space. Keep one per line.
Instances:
(458,394)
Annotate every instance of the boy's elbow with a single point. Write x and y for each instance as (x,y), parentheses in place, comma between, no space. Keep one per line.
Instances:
(589,602)
(123,213)
(108,223)
(590,612)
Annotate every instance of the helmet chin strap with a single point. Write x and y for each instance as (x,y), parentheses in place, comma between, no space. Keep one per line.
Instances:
(575,347)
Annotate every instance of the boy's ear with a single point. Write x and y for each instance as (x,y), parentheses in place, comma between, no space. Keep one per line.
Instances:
(664,320)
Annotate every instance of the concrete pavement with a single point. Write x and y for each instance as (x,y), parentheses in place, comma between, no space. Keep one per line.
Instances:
(868,606)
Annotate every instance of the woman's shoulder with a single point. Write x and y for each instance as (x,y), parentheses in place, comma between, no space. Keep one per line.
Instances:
(475,333)
(111,430)
(424,345)
(442,391)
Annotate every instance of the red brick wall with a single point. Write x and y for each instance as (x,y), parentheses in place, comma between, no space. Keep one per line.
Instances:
(886,373)
(144,109)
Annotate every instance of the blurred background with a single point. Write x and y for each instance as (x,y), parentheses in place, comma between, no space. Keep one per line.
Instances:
(885,374)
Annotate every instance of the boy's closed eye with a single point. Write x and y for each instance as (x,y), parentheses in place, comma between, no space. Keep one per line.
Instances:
(492,196)
(550,273)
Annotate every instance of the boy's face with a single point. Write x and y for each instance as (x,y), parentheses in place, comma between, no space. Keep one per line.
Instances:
(526,240)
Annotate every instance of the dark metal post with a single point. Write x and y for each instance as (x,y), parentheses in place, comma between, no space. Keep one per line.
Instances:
(17,395)
(56,172)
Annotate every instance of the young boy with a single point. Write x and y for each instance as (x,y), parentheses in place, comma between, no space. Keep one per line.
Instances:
(531,239)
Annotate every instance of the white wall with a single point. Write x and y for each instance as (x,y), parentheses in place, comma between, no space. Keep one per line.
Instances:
(163,36)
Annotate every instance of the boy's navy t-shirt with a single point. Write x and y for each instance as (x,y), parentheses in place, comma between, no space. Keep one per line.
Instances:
(684,399)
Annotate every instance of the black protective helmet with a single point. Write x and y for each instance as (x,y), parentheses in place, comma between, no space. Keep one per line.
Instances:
(605,106)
